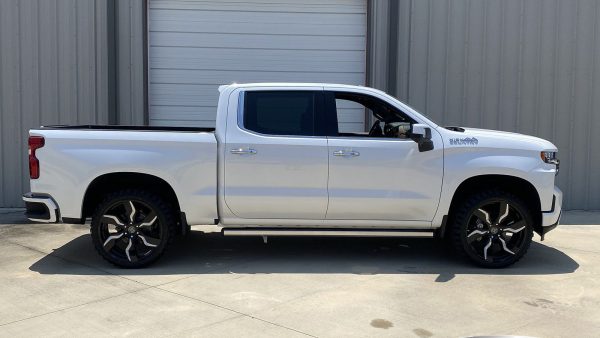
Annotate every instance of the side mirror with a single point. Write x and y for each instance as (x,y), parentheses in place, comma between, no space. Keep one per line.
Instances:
(421,134)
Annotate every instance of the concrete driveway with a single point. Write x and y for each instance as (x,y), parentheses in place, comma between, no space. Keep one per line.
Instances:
(52,283)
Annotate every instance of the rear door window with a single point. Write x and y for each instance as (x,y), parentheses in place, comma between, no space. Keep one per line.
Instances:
(280,112)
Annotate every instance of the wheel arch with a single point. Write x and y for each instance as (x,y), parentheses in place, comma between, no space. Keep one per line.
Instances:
(110,182)
(512,184)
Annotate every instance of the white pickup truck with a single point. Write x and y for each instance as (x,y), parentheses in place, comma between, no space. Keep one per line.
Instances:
(279,163)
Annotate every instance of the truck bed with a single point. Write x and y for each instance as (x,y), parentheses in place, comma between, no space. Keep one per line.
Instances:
(183,157)
(130,128)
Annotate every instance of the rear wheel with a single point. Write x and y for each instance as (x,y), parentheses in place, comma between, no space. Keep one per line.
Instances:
(493,228)
(132,228)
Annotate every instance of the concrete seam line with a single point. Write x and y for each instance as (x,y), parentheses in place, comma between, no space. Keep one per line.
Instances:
(98,268)
(576,249)
(208,270)
(76,306)
(77,263)
(157,287)
(253,318)
(310,294)
(235,311)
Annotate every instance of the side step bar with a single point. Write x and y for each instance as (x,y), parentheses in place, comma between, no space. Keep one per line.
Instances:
(327,232)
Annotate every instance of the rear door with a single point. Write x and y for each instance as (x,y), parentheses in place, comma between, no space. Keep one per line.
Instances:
(276,164)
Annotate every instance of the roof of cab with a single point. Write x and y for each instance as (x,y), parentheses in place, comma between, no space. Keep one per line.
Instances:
(289,84)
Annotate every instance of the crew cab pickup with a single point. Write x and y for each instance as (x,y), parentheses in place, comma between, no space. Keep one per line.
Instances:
(284,160)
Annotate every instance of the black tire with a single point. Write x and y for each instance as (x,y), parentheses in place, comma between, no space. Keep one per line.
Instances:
(492,228)
(132,228)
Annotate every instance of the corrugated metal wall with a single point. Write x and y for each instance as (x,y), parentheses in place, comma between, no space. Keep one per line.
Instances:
(59,65)
(530,66)
(50,73)
(130,52)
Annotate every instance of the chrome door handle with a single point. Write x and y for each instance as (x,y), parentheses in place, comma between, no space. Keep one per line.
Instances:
(346,153)
(241,151)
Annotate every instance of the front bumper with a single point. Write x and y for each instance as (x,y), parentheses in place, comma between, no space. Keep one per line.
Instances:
(551,218)
(41,208)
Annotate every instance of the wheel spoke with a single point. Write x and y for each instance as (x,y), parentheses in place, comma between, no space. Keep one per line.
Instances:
(483,215)
(477,232)
(503,212)
(111,238)
(504,246)
(476,235)
(147,243)
(148,220)
(130,210)
(515,227)
(110,219)
(127,249)
(485,249)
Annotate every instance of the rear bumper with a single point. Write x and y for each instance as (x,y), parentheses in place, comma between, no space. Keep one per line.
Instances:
(551,218)
(41,208)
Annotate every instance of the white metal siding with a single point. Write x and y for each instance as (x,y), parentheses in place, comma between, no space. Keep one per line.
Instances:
(197,45)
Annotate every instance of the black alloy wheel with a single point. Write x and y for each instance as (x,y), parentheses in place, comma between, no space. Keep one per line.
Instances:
(493,229)
(132,228)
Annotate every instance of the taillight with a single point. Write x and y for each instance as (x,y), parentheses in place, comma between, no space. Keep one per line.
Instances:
(35,142)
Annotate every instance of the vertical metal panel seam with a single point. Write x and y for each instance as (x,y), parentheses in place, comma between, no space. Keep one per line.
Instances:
(146,61)
(130,67)
(427,60)
(447,38)
(590,112)
(572,97)
(392,50)
(77,112)
(2,162)
(538,80)
(370,42)
(555,65)
(517,120)
(500,97)
(95,44)
(367,41)
(39,64)
(58,76)
(113,64)
(482,86)
(409,58)
(20,86)
(465,61)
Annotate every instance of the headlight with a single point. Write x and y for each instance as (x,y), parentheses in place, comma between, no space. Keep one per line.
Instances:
(550,157)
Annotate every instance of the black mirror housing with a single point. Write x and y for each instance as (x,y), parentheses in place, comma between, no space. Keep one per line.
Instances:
(421,134)
(425,144)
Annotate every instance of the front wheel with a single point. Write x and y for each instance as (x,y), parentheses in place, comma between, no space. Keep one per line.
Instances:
(132,228)
(493,228)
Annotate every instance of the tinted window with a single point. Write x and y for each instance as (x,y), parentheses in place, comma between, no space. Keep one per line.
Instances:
(280,112)
(351,108)
(350,116)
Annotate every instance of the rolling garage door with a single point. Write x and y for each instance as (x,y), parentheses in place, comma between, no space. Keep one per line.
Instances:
(195,46)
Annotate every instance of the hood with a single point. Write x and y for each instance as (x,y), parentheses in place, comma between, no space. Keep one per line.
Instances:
(498,139)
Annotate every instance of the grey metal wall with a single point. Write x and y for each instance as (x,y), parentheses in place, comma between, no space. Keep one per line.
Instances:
(50,73)
(130,57)
(520,65)
(529,66)
(59,65)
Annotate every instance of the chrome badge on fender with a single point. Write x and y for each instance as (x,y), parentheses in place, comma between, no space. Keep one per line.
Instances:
(469,141)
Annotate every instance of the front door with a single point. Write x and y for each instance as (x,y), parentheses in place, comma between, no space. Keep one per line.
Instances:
(381,175)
